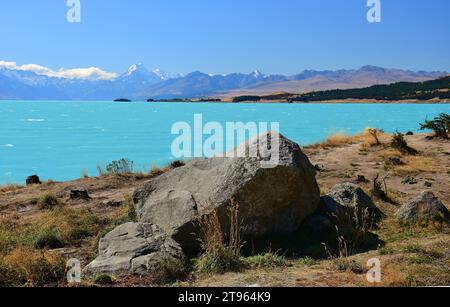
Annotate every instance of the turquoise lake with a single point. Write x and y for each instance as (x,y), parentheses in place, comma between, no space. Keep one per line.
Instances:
(59,140)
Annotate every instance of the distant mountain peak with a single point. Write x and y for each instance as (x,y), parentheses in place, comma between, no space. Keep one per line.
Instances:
(138,67)
(257,74)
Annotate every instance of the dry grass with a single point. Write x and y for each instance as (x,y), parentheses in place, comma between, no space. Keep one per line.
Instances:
(27,267)
(157,171)
(51,229)
(368,138)
(415,165)
(10,188)
(221,254)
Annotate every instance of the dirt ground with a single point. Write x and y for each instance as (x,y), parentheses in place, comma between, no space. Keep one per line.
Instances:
(411,256)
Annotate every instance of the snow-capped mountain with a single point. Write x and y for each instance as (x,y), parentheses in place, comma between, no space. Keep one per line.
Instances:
(39,82)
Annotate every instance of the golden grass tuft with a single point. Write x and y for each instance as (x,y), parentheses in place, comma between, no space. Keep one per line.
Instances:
(368,137)
(25,266)
(10,188)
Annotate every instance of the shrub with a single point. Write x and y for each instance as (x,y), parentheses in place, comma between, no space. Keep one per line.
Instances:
(399,143)
(440,125)
(220,256)
(47,202)
(122,166)
(375,133)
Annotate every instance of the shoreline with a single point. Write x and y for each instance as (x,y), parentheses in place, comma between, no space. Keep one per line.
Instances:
(339,101)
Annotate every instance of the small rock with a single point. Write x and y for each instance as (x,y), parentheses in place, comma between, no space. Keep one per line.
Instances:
(409,133)
(361,179)
(426,206)
(409,180)
(114,203)
(33,180)
(177,164)
(351,196)
(428,184)
(79,194)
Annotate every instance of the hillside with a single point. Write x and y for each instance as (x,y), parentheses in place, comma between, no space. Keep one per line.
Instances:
(439,88)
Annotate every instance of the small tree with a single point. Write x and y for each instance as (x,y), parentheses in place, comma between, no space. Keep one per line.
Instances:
(440,125)
(375,133)
(399,143)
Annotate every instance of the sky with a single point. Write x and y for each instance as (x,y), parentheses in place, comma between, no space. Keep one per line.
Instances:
(225,36)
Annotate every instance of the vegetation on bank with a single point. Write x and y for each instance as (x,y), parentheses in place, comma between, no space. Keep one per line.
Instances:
(427,90)
(422,91)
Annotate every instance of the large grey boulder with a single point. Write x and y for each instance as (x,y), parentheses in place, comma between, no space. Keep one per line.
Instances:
(341,199)
(138,248)
(425,206)
(272,201)
(348,195)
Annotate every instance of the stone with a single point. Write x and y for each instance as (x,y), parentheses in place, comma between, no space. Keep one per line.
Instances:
(349,195)
(272,201)
(114,203)
(340,199)
(425,206)
(79,194)
(134,248)
(33,180)
(361,179)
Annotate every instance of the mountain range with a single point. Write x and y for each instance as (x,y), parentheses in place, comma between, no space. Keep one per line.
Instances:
(139,83)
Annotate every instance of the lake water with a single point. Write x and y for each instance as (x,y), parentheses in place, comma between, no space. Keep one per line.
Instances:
(59,140)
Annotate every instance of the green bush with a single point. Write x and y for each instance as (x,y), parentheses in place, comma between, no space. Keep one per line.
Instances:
(440,125)
(122,166)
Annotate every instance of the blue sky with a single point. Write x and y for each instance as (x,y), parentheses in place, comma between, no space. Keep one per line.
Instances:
(223,36)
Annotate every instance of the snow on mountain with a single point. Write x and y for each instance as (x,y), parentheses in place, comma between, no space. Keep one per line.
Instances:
(34,81)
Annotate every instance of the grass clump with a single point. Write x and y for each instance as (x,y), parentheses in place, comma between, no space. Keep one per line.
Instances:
(47,202)
(104,280)
(48,238)
(267,260)
(346,265)
(171,270)
(221,254)
(353,228)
